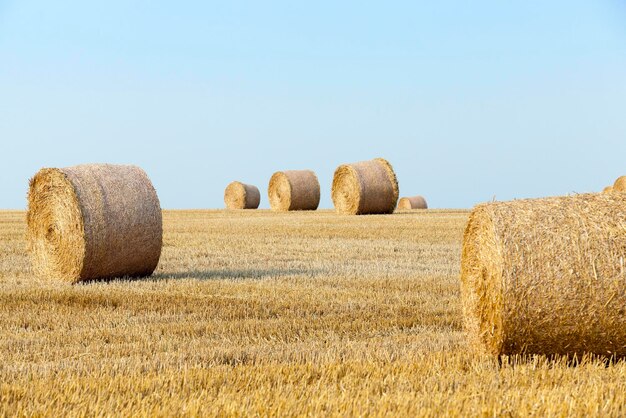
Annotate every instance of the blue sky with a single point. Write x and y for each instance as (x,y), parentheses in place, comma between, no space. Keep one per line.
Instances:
(467,99)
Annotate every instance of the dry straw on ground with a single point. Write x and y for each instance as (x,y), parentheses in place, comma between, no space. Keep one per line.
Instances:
(607,189)
(367,187)
(241,196)
(93,221)
(547,276)
(620,184)
(413,202)
(286,308)
(294,190)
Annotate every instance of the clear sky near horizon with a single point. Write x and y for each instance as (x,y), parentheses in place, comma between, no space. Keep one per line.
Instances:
(467,99)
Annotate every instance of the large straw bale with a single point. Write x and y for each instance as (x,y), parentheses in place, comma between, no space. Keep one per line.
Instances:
(413,202)
(620,184)
(607,189)
(241,196)
(366,187)
(547,276)
(294,190)
(93,221)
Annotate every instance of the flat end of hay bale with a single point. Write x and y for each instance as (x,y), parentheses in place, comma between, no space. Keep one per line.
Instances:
(279,192)
(481,282)
(56,235)
(346,190)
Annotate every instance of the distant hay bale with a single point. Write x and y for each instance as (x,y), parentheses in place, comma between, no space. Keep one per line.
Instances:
(367,187)
(241,196)
(607,189)
(294,190)
(620,184)
(413,202)
(546,276)
(93,221)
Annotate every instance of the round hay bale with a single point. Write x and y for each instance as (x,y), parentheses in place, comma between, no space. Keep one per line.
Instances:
(546,276)
(413,202)
(241,196)
(367,187)
(620,184)
(294,190)
(607,189)
(93,221)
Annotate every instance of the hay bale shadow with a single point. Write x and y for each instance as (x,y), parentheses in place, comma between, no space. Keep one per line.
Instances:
(237,274)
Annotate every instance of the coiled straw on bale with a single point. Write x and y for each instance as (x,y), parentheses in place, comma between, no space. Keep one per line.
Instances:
(547,276)
(607,189)
(241,196)
(294,190)
(93,221)
(620,184)
(367,187)
(413,202)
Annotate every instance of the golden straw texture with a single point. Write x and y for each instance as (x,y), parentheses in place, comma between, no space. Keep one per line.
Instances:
(413,202)
(366,187)
(294,190)
(241,196)
(93,221)
(546,276)
(607,189)
(620,184)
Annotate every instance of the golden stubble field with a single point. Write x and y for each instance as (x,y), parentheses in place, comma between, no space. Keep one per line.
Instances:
(258,313)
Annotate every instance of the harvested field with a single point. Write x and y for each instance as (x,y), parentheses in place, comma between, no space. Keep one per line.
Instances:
(274,313)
